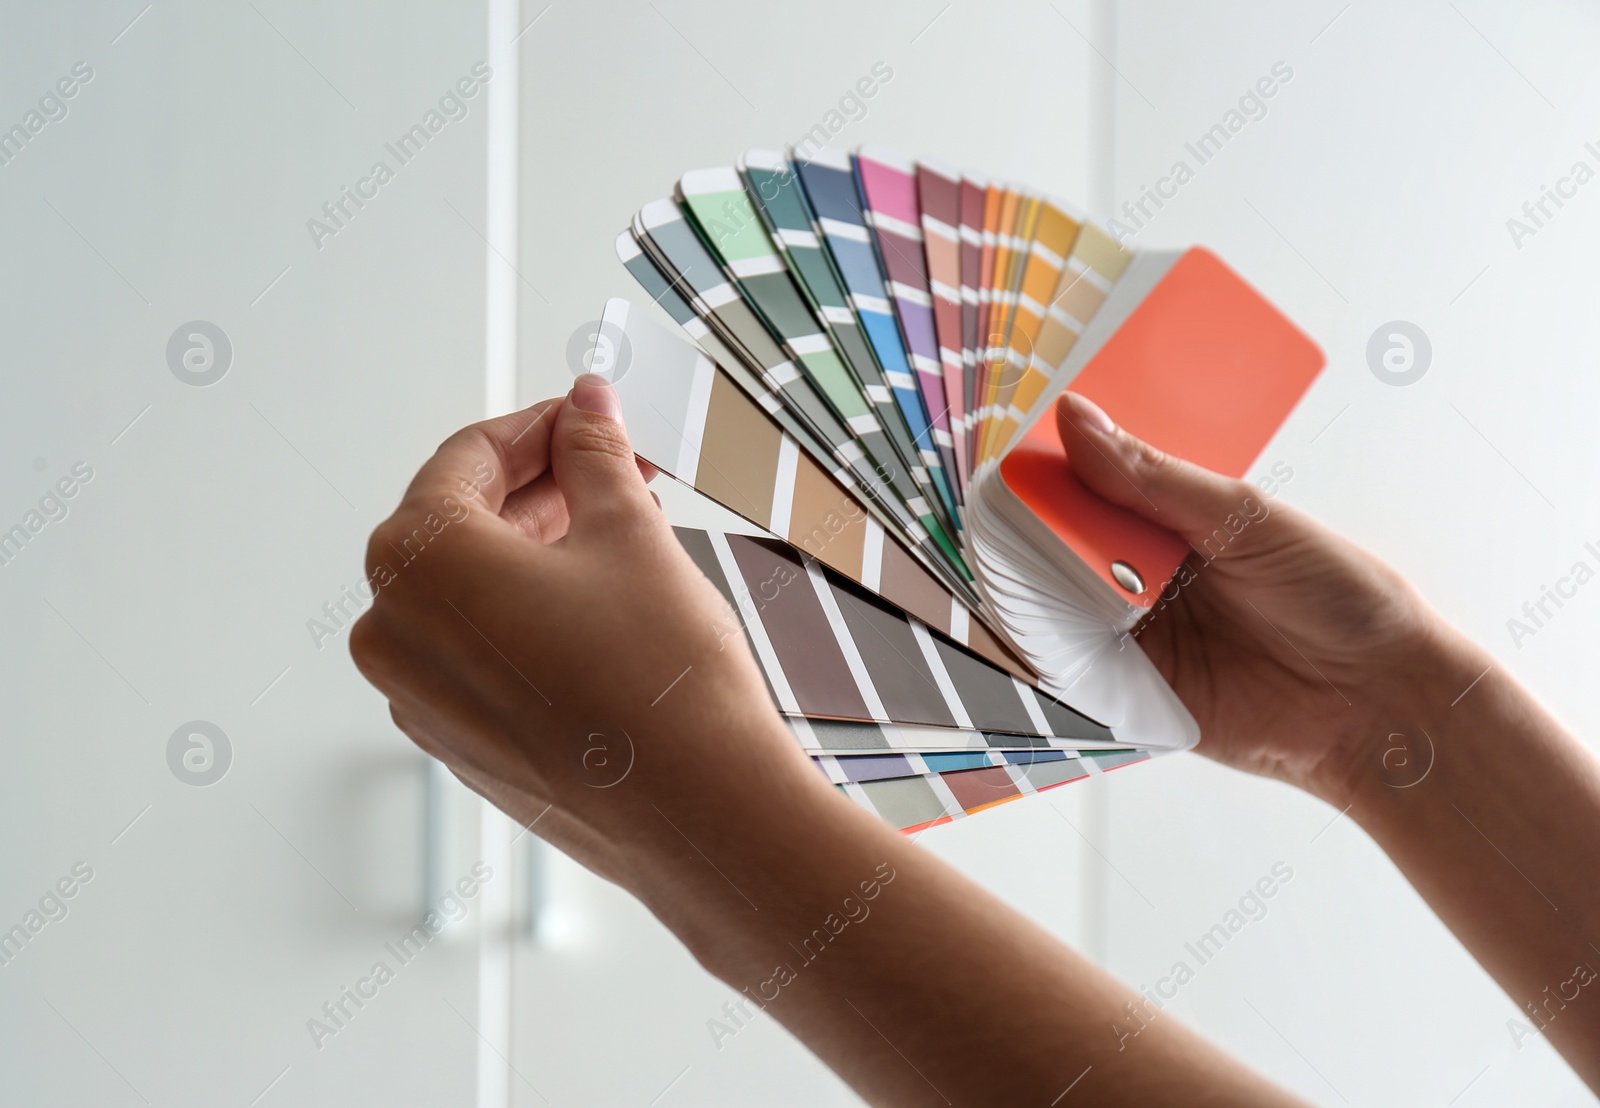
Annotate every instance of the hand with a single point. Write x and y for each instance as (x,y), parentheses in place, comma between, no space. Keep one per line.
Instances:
(539,629)
(1291,645)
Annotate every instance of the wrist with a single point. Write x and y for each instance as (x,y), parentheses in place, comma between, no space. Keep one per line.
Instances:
(747,867)
(1394,745)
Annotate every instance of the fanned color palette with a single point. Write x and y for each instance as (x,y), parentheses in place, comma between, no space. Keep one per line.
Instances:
(871,350)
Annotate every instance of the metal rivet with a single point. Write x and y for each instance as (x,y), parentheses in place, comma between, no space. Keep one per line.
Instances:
(1127,577)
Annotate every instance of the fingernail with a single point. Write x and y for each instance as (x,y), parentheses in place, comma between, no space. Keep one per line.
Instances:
(1086,411)
(593,393)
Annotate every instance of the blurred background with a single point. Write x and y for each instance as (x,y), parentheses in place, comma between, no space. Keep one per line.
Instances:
(234,339)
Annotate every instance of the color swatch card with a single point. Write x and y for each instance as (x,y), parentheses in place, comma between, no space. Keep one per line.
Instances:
(871,350)
(884,611)
(951,786)
(831,649)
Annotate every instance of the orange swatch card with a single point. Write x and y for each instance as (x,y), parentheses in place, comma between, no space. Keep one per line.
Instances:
(1205,368)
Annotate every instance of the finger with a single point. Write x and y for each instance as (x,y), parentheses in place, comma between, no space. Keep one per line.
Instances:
(483,463)
(1130,472)
(538,510)
(470,475)
(592,459)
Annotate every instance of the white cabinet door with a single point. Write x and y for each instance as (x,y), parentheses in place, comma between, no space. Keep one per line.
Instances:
(1374,184)
(229,338)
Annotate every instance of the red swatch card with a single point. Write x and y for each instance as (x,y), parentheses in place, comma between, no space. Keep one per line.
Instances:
(1205,368)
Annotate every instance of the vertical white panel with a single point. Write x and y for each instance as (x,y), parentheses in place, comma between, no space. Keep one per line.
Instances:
(500,386)
(1095,871)
(500,393)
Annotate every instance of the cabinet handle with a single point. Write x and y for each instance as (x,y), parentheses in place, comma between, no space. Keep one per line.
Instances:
(435,831)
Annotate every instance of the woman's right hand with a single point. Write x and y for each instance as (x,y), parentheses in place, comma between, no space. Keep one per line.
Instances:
(1298,652)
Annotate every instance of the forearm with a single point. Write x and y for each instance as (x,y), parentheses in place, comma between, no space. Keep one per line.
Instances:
(1499,830)
(910,981)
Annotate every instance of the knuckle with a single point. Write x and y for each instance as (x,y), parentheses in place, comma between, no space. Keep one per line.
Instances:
(472,435)
(406,726)
(370,648)
(1152,463)
(400,541)
(1246,495)
(386,538)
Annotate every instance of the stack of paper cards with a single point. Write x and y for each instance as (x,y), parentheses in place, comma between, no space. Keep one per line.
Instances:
(873,347)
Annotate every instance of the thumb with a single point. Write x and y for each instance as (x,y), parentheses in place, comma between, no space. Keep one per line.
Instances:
(1129,472)
(592,459)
